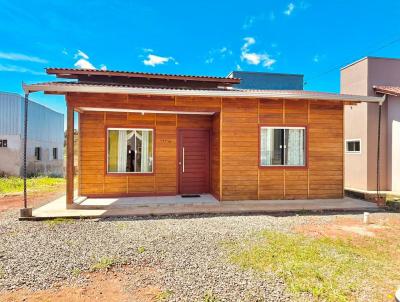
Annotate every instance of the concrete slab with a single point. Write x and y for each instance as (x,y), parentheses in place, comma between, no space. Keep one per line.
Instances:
(111,207)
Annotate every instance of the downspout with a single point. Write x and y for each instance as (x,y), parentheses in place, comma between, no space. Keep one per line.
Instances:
(378,157)
(25,211)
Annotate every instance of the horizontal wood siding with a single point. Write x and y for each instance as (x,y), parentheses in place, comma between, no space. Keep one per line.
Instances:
(235,172)
(323,178)
(94,181)
(239,135)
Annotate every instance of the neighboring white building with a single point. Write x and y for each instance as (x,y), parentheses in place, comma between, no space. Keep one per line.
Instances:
(45,145)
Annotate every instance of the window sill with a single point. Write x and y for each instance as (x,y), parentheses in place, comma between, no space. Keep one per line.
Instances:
(283,167)
(129,173)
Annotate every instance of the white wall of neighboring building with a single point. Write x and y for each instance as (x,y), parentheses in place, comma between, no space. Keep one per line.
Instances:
(45,130)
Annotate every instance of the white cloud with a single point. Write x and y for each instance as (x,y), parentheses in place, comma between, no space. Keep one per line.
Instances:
(20,57)
(254,58)
(153,60)
(81,54)
(64,52)
(103,67)
(238,67)
(84,64)
(248,22)
(316,59)
(289,9)
(148,50)
(216,53)
(19,69)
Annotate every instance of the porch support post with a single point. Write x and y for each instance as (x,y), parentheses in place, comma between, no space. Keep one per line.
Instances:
(70,156)
(25,211)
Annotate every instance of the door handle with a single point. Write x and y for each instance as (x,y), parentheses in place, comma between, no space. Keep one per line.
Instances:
(183,159)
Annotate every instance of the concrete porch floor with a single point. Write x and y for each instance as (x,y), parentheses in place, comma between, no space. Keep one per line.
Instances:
(176,205)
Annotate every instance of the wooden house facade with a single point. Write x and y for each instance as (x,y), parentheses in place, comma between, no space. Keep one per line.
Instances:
(155,135)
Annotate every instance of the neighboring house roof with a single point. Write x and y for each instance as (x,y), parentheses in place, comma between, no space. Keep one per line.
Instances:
(392,90)
(65,87)
(71,73)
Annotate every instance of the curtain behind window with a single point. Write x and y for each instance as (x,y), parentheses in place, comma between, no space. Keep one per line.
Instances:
(122,151)
(294,141)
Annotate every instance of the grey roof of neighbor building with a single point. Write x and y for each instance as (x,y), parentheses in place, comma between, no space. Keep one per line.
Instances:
(44,123)
(268,80)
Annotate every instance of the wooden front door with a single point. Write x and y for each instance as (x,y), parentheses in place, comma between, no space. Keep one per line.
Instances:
(194,161)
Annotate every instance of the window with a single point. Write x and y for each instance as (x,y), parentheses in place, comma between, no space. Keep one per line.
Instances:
(283,146)
(3,143)
(55,153)
(38,153)
(353,146)
(130,150)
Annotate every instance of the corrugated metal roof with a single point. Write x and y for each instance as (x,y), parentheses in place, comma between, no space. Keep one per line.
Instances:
(76,71)
(392,90)
(65,87)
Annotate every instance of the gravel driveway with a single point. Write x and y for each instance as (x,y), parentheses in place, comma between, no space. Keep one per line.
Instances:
(184,255)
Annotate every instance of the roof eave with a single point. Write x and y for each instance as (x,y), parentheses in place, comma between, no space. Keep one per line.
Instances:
(63,89)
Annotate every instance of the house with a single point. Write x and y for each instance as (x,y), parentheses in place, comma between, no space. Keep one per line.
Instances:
(147,134)
(267,80)
(372,76)
(45,144)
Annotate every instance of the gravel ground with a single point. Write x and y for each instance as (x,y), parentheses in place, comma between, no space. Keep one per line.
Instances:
(185,255)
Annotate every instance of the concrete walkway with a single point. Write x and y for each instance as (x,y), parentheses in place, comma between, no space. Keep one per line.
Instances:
(137,206)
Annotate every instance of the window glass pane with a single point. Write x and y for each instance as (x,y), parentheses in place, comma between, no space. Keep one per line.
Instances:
(353,146)
(294,147)
(271,147)
(130,150)
(357,146)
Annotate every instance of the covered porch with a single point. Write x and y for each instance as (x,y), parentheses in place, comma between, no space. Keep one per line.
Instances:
(205,205)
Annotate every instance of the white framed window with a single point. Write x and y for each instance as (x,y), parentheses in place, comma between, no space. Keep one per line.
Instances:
(283,146)
(130,150)
(353,146)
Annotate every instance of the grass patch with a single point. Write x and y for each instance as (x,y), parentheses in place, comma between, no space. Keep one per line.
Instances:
(328,269)
(58,221)
(164,295)
(104,263)
(10,185)
(76,272)
(210,297)
(141,249)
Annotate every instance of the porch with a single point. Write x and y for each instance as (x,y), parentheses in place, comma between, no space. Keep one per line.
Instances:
(206,204)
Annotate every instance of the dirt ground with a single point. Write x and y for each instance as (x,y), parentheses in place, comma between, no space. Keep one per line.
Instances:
(35,199)
(110,286)
(379,226)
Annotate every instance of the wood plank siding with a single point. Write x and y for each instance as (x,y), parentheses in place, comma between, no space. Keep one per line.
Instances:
(235,173)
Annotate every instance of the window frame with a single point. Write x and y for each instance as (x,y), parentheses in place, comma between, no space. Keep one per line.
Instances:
(283,127)
(352,140)
(38,156)
(55,153)
(129,173)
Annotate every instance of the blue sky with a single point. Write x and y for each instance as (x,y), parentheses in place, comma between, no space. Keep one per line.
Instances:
(193,37)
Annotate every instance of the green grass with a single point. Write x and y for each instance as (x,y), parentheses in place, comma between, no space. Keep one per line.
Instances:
(58,221)
(76,272)
(210,297)
(141,249)
(104,263)
(328,269)
(164,295)
(9,185)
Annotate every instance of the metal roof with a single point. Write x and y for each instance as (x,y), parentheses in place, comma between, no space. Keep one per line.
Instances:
(74,72)
(65,87)
(392,90)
